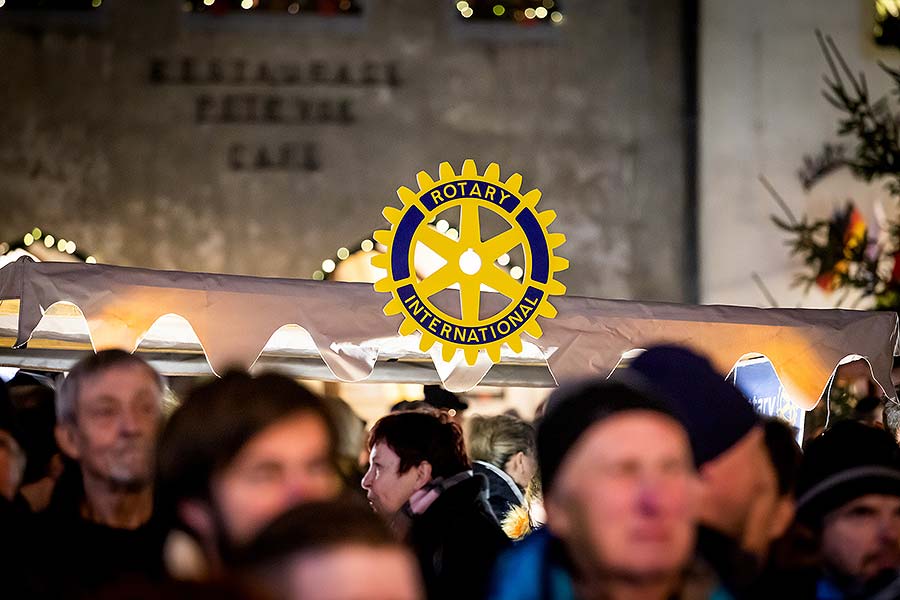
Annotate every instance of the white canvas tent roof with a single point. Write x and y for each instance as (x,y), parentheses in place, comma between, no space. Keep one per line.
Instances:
(339,332)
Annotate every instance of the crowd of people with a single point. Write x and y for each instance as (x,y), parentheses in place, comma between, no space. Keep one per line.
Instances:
(660,482)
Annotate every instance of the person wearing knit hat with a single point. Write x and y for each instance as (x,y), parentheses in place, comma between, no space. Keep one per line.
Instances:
(619,491)
(738,482)
(848,496)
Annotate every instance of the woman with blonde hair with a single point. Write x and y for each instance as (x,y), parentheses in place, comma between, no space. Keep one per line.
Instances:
(502,448)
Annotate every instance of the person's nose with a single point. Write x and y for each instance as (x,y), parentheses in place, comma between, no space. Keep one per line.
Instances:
(130,422)
(651,494)
(366,482)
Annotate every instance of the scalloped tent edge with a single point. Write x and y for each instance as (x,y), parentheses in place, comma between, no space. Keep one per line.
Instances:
(235,317)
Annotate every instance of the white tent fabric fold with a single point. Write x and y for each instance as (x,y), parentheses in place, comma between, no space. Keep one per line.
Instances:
(234,318)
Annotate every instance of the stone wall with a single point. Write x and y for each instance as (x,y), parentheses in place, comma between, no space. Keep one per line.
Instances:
(761,111)
(173,141)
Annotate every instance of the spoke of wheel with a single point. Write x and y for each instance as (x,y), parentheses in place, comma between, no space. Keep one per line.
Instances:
(470,299)
(445,247)
(437,281)
(469,226)
(500,244)
(501,281)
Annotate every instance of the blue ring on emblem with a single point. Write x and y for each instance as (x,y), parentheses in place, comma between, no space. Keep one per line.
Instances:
(413,218)
(400,248)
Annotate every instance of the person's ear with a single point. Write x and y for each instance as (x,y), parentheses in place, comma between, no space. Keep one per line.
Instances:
(782,517)
(514,464)
(423,474)
(517,460)
(66,440)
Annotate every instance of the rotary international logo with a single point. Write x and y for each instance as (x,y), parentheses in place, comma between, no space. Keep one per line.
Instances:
(471,260)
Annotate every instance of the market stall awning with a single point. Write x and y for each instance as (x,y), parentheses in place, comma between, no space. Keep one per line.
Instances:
(339,332)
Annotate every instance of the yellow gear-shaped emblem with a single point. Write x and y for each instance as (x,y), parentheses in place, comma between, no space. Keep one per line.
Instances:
(470,261)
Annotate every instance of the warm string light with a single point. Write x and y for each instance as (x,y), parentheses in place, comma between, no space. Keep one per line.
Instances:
(343,253)
(61,244)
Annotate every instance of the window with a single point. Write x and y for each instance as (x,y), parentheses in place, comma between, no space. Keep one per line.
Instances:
(507,21)
(48,5)
(90,14)
(286,16)
(321,8)
(525,13)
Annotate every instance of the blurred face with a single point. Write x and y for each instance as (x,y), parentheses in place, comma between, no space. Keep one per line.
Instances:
(12,465)
(387,489)
(769,517)
(624,499)
(862,538)
(736,484)
(117,420)
(355,572)
(284,464)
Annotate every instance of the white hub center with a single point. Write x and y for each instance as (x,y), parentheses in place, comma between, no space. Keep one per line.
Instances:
(470,262)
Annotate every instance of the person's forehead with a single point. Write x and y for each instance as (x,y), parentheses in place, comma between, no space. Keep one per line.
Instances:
(354,565)
(617,432)
(384,453)
(300,432)
(876,501)
(117,379)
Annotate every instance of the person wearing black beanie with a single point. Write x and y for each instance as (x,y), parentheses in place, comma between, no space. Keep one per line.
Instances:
(848,496)
(738,482)
(619,491)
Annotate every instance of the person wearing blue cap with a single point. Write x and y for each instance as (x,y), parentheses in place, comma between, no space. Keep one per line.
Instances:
(739,488)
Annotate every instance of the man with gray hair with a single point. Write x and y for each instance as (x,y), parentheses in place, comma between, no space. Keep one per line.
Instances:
(99,519)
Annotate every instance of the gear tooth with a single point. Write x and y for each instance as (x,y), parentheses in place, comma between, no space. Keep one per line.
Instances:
(494,352)
(446,172)
(558,263)
(546,218)
(406,195)
(380,261)
(407,327)
(382,236)
(392,214)
(555,240)
(547,310)
(492,172)
(383,285)
(533,329)
(394,307)
(424,180)
(515,343)
(426,342)
(471,355)
(556,288)
(447,352)
(532,198)
(469,169)
(514,183)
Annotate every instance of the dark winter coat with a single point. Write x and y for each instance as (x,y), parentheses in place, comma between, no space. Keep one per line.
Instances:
(501,490)
(77,557)
(16,529)
(456,540)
